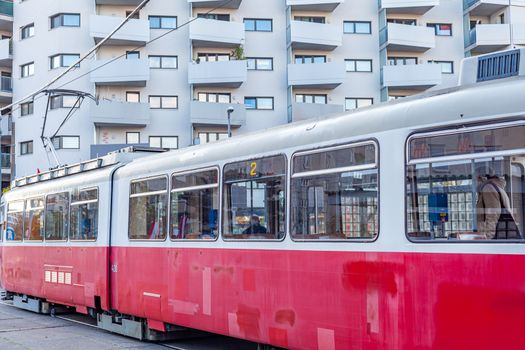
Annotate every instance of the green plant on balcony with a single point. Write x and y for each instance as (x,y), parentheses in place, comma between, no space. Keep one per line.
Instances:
(238,53)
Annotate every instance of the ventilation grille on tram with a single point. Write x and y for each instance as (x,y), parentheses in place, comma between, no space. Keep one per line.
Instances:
(498,66)
(493,66)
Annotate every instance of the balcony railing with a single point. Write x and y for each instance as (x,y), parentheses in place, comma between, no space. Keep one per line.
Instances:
(6,8)
(6,160)
(6,84)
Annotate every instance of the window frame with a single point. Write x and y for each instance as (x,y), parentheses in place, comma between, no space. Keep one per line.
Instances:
(285,188)
(161,138)
(24,65)
(255,59)
(436,25)
(61,58)
(256,103)
(68,216)
(219,199)
(357,99)
(61,15)
(132,132)
(7,221)
(451,129)
(160,102)
(131,182)
(85,202)
(440,62)
(353,22)
(27,143)
(255,20)
(161,59)
(355,61)
(28,28)
(30,105)
(334,147)
(43,197)
(61,142)
(160,17)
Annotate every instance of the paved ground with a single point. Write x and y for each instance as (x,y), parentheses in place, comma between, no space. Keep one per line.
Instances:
(21,329)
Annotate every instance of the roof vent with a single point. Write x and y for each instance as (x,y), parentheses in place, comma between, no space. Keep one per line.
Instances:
(493,66)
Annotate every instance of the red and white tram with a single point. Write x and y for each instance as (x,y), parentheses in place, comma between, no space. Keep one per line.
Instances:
(361,231)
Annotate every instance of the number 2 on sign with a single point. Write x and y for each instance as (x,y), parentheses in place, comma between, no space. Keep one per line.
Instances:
(253,169)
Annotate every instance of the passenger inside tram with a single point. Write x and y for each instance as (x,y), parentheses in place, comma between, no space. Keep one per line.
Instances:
(467,185)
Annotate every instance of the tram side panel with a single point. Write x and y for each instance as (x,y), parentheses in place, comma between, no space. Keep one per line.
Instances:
(69,272)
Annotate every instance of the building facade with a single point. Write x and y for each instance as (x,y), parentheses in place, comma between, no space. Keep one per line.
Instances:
(272,62)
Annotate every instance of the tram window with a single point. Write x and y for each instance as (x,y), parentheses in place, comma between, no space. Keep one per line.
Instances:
(334,194)
(147,209)
(2,222)
(57,216)
(254,199)
(475,195)
(194,205)
(84,215)
(34,220)
(15,221)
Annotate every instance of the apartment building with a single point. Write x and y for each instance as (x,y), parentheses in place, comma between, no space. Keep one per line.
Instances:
(272,61)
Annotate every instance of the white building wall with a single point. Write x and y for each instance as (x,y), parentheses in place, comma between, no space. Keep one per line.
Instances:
(177,122)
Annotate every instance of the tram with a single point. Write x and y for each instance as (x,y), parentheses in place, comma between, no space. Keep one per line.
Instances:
(376,229)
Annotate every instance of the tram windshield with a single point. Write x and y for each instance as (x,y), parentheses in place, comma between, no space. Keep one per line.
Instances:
(467,185)
(254,199)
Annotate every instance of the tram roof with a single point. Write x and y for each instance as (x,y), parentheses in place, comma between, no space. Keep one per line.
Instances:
(457,105)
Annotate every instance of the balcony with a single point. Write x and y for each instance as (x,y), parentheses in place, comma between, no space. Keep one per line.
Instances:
(6,89)
(484,7)
(6,15)
(518,34)
(6,52)
(234,4)
(415,7)
(412,77)
(316,75)
(314,5)
(215,114)
(221,74)
(315,36)
(122,72)
(212,33)
(305,111)
(135,32)
(119,114)
(485,38)
(403,37)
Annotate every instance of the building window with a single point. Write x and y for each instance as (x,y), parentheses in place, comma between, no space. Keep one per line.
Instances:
(405,21)
(358,102)
(263,103)
(26,108)
(214,97)
(65,20)
(319,99)
(353,65)
(136,15)
(133,96)
(27,70)
(447,67)
(302,59)
(259,63)
(171,142)
(215,16)
(212,57)
(27,31)
(132,55)
(63,60)
(258,25)
(26,147)
(163,102)
(357,27)
(401,61)
(63,102)
(66,142)
(162,22)
(163,62)
(311,19)
(441,29)
(395,97)
(210,137)
(133,137)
